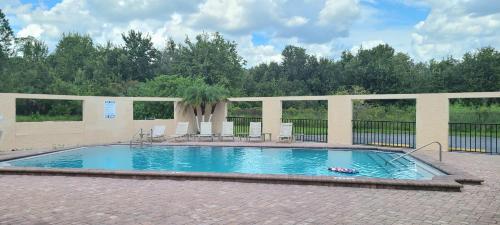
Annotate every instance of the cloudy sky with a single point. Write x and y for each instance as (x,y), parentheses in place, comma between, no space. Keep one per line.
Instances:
(424,29)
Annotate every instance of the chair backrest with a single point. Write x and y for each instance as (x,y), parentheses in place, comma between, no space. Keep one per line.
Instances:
(206,128)
(227,128)
(255,129)
(182,128)
(158,131)
(286,129)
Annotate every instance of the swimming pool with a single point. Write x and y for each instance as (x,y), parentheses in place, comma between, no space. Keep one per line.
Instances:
(246,160)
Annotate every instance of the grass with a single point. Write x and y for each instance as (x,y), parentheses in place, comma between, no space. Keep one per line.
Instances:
(460,112)
(296,130)
(385,131)
(42,118)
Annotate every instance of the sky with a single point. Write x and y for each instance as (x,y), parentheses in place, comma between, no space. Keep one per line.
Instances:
(424,29)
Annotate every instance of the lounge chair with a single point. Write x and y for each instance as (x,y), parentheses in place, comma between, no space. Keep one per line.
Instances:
(181,131)
(286,132)
(158,133)
(227,130)
(206,130)
(255,130)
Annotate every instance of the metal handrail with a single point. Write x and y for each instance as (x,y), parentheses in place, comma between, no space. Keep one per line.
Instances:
(134,136)
(412,151)
(141,134)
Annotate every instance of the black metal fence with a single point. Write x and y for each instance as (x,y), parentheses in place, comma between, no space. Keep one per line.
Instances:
(242,124)
(384,133)
(473,137)
(309,130)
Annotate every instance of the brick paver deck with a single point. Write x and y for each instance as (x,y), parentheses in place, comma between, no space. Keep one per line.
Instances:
(83,200)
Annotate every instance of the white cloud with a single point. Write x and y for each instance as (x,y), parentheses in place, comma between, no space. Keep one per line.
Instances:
(33,30)
(324,27)
(224,14)
(257,54)
(457,26)
(296,21)
(367,45)
(308,23)
(339,12)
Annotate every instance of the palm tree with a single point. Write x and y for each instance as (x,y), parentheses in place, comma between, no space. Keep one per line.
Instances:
(193,97)
(203,96)
(214,95)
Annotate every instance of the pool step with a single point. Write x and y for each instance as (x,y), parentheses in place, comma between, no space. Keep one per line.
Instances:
(388,158)
(380,163)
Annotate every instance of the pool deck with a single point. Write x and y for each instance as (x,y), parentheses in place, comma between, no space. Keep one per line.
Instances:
(88,200)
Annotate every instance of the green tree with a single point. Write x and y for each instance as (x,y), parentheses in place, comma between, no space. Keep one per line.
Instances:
(71,56)
(33,50)
(377,69)
(165,86)
(211,57)
(481,70)
(142,56)
(213,96)
(6,37)
(193,98)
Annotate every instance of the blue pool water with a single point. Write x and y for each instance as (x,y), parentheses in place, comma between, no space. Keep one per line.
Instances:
(249,160)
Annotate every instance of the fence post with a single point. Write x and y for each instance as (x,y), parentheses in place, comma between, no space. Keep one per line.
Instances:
(340,120)
(271,117)
(432,119)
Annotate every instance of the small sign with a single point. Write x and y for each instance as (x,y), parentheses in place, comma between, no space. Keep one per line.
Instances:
(109,109)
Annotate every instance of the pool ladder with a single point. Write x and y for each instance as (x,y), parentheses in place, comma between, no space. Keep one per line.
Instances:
(140,138)
(412,151)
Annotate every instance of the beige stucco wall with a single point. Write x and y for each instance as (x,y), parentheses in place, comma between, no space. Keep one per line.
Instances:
(94,129)
(271,117)
(432,119)
(432,114)
(431,123)
(340,120)
(186,114)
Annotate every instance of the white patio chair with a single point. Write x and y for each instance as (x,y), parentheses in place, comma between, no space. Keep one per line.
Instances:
(181,130)
(227,130)
(286,132)
(158,133)
(255,130)
(206,130)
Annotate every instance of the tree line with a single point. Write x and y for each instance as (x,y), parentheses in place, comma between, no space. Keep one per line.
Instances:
(79,66)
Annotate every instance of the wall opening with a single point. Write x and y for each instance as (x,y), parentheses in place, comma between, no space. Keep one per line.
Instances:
(474,125)
(152,110)
(388,123)
(242,113)
(309,119)
(39,110)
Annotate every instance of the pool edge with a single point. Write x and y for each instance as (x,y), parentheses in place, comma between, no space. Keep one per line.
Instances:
(445,183)
(454,178)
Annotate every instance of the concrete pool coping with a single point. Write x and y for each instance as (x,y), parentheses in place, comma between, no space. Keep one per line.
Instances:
(453,181)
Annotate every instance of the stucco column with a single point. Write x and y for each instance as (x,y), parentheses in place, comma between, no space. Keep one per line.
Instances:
(218,117)
(271,117)
(7,122)
(183,113)
(340,120)
(432,120)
